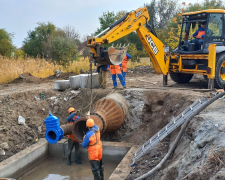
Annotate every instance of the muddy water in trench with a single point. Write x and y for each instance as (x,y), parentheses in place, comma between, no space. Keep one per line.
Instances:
(55,169)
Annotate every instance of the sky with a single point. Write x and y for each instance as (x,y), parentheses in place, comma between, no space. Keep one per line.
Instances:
(20,16)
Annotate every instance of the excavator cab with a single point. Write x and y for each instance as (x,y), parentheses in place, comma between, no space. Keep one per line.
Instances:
(199,29)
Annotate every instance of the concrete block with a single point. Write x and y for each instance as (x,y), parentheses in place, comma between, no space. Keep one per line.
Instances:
(85,80)
(61,85)
(24,161)
(75,82)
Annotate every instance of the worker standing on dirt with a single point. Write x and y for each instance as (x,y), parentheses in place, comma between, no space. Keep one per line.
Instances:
(123,65)
(102,74)
(115,70)
(94,146)
(71,142)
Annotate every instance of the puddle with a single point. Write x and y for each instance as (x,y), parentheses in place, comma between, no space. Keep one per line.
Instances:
(56,169)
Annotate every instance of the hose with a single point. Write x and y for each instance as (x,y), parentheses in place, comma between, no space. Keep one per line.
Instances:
(151,172)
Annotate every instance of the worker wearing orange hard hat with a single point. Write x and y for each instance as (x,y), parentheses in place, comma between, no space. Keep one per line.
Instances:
(94,146)
(71,141)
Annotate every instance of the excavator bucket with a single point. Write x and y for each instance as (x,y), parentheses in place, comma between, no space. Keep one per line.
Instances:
(116,54)
(110,56)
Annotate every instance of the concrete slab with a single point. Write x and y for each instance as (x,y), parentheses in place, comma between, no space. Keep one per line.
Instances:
(85,80)
(62,85)
(24,161)
(123,169)
(75,82)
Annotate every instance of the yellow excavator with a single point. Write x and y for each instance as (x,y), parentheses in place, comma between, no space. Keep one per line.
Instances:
(192,56)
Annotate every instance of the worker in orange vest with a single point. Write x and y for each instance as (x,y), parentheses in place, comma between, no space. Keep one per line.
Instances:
(71,141)
(199,35)
(124,64)
(94,146)
(115,70)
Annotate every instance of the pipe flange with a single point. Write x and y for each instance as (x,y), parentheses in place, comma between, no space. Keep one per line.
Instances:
(103,122)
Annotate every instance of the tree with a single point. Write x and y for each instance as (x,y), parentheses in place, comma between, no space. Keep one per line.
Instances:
(72,34)
(105,21)
(109,18)
(152,10)
(19,53)
(6,46)
(63,50)
(33,45)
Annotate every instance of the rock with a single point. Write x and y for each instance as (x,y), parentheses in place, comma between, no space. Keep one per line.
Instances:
(21,76)
(2,152)
(4,146)
(21,120)
(221,128)
(39,129)
(58,72)
(82,71)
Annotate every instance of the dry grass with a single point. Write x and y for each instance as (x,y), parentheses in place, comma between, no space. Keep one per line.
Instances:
(11,68)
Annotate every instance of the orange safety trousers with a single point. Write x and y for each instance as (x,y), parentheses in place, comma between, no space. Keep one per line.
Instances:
(115,69)
(95,147)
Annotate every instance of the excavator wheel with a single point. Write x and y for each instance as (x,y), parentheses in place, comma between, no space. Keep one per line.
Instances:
(219,80)
(181,77)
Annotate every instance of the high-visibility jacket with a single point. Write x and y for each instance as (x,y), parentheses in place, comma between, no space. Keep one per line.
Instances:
(200,33)
(93,144)
(124,62)
(70,120)
(115,69)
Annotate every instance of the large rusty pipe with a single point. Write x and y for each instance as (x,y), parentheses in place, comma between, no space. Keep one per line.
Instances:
(108,114)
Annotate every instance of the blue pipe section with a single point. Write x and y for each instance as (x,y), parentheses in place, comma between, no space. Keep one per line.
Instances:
(54,132)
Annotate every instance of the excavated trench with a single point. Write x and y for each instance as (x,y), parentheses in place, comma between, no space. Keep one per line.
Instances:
(149,111)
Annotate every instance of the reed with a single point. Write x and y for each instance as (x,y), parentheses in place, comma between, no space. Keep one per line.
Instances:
(11,68)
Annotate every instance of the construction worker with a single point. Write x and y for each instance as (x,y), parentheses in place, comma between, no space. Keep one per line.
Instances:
(123,65)
(71,142)
(102,74)
(199,35)
(115,70)
(94,146)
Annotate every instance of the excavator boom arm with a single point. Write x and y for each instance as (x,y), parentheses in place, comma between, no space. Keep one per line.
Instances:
(132,21)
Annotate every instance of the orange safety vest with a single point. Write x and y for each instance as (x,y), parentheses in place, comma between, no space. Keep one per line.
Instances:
(124,64)
(115,69)
(95,147)
(200,33)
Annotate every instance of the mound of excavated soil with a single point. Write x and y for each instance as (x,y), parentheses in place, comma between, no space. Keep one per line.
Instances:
(141,70)
(26,78)
(62,76)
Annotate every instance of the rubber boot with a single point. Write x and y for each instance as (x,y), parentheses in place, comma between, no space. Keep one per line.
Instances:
(69,162)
